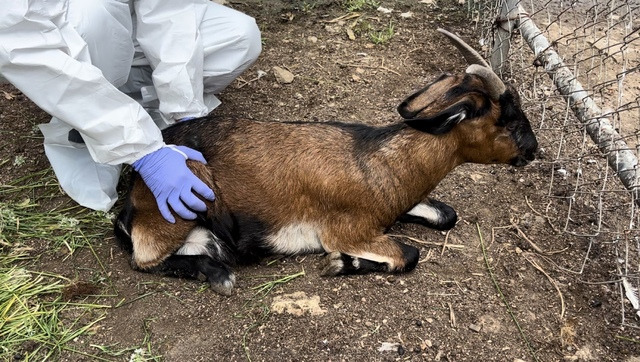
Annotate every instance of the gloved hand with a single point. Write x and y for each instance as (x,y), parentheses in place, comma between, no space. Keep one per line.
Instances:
(172,183)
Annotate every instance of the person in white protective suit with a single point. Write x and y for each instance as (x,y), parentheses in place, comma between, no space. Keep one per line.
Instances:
(112,73)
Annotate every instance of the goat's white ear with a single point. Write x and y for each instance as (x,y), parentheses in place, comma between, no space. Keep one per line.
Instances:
(458,117)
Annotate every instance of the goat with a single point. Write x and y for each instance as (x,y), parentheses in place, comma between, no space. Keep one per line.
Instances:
(311,187)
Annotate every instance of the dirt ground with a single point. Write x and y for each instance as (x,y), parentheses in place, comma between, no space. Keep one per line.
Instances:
(448,309)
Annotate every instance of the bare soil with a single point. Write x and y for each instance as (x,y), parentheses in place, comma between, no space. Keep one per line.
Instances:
(448,309)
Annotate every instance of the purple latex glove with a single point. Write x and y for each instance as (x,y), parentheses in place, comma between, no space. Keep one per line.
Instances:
(172,183)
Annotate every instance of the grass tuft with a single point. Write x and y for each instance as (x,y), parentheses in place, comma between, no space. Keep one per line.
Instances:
(382,36)
(35,322)
(359,5)
(72,227)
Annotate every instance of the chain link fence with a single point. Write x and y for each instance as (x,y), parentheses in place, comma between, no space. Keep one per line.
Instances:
(577,66)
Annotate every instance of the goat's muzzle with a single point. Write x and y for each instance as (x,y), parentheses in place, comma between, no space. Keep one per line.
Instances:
(528,147)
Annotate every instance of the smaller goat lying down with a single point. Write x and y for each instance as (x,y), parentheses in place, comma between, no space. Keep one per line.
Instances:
(312,187)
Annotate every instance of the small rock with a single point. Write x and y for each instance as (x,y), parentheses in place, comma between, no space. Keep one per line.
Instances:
(428,2)
(419,323)
(331,29)
(351,34)
(475,177)
(384,10)
(594,303)
(408,14)
(474,327)
(312,39)
(282,75)
(389,347)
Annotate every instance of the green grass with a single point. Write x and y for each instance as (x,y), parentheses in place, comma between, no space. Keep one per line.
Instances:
(376,34)
(23,220)
(359,5)
(134,354)
(72,227)
(382,36)
(36,321)
(255,307)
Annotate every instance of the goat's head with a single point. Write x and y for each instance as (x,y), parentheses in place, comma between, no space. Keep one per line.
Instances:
(476,108)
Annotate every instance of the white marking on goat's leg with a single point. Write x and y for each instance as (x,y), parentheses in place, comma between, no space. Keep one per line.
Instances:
(427,212)
(296,238)
(376,257)
(199,242)
(381,253)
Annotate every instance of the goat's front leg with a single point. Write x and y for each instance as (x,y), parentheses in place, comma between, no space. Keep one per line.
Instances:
(201,267)
(432,214)
(381,255)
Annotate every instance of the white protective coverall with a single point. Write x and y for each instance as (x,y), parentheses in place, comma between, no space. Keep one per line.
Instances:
(118,72)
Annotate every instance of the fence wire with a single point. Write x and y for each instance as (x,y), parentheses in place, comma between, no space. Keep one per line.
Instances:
(599,41)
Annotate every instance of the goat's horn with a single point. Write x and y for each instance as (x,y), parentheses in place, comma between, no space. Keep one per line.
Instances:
(470,54)
(478,66)
(494,84)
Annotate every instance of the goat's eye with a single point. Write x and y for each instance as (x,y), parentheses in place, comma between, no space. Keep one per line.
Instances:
(511,126)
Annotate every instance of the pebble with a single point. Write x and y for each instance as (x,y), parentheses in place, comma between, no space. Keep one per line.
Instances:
(474,327)
(282,75)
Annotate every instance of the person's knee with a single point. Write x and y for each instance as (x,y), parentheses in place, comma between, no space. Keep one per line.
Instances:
(249,37)
(89,17)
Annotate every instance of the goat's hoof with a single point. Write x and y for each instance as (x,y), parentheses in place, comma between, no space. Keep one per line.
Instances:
(224,285)
(332,265)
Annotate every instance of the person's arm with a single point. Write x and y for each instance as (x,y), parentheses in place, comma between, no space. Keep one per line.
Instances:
(35,58)
(168,34)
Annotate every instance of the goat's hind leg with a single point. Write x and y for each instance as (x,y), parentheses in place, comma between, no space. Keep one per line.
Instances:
(431,213)
(382,255)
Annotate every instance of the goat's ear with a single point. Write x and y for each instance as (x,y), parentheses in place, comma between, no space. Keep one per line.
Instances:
(442,122)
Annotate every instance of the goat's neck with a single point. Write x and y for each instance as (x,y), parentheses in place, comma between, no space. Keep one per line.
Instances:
(415,163)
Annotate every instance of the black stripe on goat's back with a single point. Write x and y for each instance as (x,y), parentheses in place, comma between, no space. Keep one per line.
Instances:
(366,138)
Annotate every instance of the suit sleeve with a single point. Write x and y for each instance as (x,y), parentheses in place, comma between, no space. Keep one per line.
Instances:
(39,55)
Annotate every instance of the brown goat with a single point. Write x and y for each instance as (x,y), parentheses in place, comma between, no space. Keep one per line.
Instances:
(309,187)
